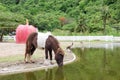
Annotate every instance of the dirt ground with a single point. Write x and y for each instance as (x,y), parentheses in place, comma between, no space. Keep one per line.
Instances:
(8,49)
(12,49)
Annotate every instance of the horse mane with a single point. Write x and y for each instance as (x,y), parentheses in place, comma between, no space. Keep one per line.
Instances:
(60,50)
(53,38)
(56,43)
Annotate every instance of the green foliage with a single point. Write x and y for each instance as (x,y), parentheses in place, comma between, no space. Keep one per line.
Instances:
(46,21)
(70,26)
(8,20)
(88,15)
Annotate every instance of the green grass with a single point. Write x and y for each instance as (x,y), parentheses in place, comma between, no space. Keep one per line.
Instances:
(11,58)
(17,58)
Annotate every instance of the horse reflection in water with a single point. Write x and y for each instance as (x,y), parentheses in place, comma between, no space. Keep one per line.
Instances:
(58,75)
(30,76)
(49,75)
(44,41)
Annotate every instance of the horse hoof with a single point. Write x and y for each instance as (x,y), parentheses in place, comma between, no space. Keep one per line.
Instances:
(32,62)
(51,63)
(26,62)
(46,62)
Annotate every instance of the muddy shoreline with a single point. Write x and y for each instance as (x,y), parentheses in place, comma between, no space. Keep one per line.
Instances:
(19,66)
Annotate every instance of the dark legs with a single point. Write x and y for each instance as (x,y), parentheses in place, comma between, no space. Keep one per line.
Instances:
(50,54)
(29,52)
(32,51)
(46,53)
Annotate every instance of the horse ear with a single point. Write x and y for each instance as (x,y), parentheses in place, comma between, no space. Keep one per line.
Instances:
(60,51)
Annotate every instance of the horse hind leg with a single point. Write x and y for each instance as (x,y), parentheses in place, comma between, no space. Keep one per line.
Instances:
(28,58)
(32,51)
(27,50)
(26,55)
(25,58)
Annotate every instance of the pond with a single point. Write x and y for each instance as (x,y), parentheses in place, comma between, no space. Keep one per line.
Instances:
(99,62)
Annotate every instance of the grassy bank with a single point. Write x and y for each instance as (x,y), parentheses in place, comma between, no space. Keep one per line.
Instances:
(20,57)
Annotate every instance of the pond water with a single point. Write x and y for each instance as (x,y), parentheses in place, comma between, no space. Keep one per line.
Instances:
(92,63)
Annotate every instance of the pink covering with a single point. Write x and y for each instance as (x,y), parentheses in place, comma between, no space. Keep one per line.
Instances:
(23,31)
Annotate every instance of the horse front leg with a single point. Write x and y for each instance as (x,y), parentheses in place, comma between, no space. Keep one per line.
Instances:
(46,53)
(50,53)
(46,62)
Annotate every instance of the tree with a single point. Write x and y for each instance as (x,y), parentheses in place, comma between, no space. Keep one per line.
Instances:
(5,30)
(105,16)
(45,15)
(81,24)
(8,22)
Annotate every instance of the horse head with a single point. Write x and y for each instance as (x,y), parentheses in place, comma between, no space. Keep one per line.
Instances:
(59,56)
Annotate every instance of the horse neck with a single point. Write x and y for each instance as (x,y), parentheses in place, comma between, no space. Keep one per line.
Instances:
(55,49)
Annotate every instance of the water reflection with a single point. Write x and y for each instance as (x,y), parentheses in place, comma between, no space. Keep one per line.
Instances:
(49,74)
(93,63)
(101,63)
(59,74)
(30,76)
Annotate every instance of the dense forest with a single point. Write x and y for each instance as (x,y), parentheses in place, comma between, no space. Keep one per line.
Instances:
(77,16)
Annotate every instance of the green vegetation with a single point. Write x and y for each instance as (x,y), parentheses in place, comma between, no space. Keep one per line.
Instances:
(100,17)
(18,57)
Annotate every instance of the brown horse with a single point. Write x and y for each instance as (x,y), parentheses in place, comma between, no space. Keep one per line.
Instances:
(50,44)
(31,45)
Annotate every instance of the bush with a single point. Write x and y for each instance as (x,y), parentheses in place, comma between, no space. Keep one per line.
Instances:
(70,27)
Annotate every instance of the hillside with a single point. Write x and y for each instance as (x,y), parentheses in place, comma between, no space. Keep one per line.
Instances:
(79,16)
